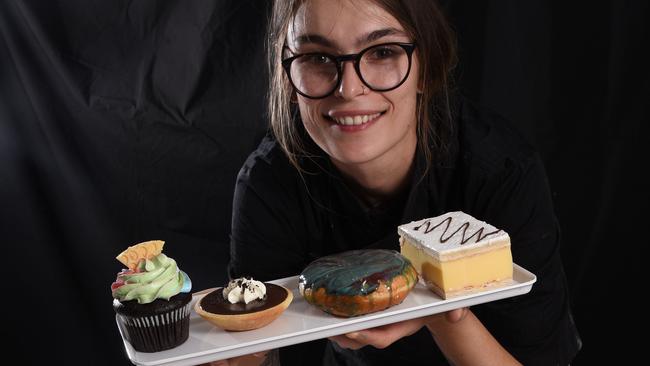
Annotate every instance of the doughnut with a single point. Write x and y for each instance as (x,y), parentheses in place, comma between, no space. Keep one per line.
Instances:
(357,282)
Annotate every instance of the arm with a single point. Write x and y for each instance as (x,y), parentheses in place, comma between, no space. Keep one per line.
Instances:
(534,328)
(269,237)
(450,330)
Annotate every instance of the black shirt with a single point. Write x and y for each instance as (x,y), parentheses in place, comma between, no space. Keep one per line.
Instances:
(283,220)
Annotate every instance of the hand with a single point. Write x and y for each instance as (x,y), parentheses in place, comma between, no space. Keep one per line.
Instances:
(384,336)
(439,321)
(246,360)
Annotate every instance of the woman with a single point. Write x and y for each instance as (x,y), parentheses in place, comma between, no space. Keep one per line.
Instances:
(366,136)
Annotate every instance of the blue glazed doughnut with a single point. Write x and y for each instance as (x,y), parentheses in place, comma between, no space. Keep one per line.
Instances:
(357,282)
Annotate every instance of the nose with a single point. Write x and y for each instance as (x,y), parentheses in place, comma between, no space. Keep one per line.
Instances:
(351,85)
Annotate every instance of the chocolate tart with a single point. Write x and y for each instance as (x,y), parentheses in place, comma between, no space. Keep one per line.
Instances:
(238,317)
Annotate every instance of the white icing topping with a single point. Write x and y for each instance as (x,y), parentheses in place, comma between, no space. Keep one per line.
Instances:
(451,233)
(244,290)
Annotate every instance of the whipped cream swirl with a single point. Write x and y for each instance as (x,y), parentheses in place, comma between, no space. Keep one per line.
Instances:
(244,290)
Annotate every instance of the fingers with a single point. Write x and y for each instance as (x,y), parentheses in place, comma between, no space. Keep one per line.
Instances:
(348,341)
(442,322)
(246,359)
(384,336)
(217,363)
(456,315)
(451,316)
(379,337)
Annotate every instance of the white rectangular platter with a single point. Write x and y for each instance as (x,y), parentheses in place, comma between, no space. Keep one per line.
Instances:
(302,322)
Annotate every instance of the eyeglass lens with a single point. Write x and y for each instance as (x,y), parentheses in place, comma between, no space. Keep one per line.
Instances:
(382,67)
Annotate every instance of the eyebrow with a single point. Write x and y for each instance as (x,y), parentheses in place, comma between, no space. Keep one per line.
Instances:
(365,39)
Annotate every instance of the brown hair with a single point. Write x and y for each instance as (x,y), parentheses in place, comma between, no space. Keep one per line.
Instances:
(436,52)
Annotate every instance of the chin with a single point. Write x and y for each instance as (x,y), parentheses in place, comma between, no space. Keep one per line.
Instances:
(353,158)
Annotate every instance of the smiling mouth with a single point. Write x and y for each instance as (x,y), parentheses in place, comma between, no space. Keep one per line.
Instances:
(355,120)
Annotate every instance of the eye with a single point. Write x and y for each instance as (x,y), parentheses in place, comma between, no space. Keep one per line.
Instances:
(317,59)
(383,52)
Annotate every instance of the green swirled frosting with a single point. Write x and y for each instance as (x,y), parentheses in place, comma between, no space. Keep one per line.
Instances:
(156,278)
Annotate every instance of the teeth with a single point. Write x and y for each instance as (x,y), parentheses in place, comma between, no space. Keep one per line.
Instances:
(355,120)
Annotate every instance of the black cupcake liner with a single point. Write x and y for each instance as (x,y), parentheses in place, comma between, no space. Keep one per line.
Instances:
(156,333)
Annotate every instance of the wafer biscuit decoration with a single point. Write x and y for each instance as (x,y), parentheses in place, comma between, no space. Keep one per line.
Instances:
(132,255)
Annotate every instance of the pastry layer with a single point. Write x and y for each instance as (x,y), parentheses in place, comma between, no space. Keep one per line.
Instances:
(453,276)
(455,253)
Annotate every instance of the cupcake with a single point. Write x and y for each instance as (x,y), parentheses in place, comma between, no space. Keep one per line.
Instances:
(151,298)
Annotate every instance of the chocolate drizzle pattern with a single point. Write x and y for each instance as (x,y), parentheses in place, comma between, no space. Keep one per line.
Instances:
(355,272)
(478,233)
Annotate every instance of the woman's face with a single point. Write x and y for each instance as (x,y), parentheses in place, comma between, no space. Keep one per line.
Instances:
(356,125)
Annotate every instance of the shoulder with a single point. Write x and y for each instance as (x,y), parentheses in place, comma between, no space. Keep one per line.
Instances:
(265,157)
(267,228)
(502,175)
(488,142)
(267,166)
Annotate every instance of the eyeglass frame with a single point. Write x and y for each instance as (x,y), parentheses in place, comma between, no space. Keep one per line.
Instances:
(409,48)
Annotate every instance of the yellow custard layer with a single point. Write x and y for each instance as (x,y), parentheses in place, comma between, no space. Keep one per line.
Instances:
(473,270)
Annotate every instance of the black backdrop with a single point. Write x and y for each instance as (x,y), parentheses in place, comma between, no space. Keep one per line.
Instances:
(123,121)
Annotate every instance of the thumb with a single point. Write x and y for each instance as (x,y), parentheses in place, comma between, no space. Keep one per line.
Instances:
(456,315)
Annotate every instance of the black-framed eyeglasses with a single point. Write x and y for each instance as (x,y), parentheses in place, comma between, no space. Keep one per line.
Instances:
(381,67)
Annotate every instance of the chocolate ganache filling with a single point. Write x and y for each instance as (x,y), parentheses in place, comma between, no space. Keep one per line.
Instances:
(355,272)
(216,304)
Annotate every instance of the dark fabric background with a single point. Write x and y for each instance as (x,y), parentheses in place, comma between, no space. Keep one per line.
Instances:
(123,121)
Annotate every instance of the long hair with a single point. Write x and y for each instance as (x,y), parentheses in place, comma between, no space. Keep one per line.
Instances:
(425,23)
